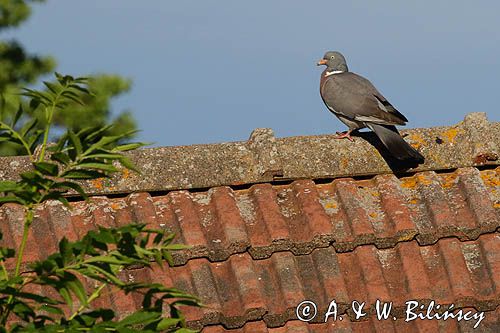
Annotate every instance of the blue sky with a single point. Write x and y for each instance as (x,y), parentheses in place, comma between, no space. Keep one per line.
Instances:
(212,71)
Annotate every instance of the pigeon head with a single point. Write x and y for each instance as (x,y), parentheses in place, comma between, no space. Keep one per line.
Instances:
(334,61)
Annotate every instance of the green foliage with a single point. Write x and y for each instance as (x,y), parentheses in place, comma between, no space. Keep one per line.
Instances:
(106,87)
(19,68)
(101,255)
(14,12)
(85,147)
(91,111)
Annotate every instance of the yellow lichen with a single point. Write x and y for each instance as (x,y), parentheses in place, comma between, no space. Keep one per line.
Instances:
(101,184)
(408,182)
(424,179)
(115,206)
(448,180)
(450,134)
(407,237)
(331,205)
(125,173)
(97,183)
(344,163)
(416,140)
(491,177)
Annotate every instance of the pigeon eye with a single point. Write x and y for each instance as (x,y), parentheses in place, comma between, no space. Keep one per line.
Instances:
(332,57)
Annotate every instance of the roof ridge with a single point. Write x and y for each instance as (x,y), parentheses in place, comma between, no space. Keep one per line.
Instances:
(265,158)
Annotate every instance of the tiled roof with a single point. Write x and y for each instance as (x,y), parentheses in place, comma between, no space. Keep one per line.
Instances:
(259,248)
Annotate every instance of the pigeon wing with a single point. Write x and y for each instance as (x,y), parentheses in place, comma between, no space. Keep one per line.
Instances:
(354,97)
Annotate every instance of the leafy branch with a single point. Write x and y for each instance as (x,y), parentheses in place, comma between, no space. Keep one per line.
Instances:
(101,255)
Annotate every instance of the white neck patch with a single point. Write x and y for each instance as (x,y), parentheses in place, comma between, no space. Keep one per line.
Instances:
(332,73)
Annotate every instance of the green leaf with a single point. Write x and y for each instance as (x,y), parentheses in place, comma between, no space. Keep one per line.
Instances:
(71,185)
(140,318)
(157,239)
(127,163)
(98,166)
(52,87)
(107,275)
(23,310)
(83,174)
(28,127)
(76,287)
(56,195)
(18,115)
(68,92)
(158,258)
(104,235)
(61,158)
(73,98)
(9,185)
(11,198)
(95,132)
(185,330)
(6,253)
(40,96)
(108,260)
(33,139)
(82,79)
(46,168)
(106,156)
(75,141)
(188,302)
(168,323)
(80,88)
(35,297)
(105,140)
(34,103)
(177,247)
(51,309)
(129,146)
(168,257)
(66,296)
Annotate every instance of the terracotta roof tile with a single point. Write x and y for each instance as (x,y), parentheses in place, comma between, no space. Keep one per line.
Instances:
(488,325)
(275,286)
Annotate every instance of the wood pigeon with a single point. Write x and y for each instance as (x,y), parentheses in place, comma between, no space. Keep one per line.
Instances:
(358,104)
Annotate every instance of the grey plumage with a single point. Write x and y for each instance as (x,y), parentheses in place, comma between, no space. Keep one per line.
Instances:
(393,141)
(358,104)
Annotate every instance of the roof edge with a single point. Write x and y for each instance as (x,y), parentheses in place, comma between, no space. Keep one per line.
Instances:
(265,158)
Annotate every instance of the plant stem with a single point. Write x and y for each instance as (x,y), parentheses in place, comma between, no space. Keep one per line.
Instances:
(48,119)
(92,297)
(27,224)
(4,270)
(49,112)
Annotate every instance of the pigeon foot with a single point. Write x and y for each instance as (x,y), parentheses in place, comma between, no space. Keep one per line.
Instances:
(345,135)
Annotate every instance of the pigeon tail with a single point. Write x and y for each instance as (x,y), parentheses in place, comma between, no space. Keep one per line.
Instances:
(396,145)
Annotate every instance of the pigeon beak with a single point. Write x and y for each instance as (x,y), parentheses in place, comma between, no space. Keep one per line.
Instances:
(321,62)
